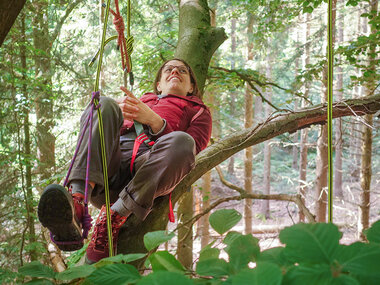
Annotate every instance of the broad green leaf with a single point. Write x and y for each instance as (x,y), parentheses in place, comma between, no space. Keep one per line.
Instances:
(165,278)
(76,272)
(223,220)
(120,258)
(373,233)
(37,269)
(313,275)
(163,260)
(274,255)
(264,273)
(154,239)
(360,259)
(243,250)
(345,280)
(213,267)
(114,274)
(207,253)
(311,243)
(230,237)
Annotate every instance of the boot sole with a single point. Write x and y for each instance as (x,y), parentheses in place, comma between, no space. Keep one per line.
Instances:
(56,212)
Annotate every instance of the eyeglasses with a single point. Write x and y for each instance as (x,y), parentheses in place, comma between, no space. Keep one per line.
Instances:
(182,69)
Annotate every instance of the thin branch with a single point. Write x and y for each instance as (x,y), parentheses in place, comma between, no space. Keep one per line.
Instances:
(59,25)
(228,184)
(279,197)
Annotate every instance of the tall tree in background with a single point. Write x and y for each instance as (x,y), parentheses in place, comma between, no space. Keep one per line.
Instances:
(267,147)
(44,96)
(366,164)
(248,123)
(322,161)
(27,141)
(232,97)
(304,132)
(338,167)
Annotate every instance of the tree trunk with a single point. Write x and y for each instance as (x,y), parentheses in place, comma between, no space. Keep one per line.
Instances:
(9,11)
(231,163)
(206,196)
(267,148)
(366,165)
(27,142)
(322,147)
(185,240)
(304,132)
(338,168)
(248,159)
(44,99)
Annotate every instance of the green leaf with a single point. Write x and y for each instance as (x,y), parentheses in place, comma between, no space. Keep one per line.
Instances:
(242,250)
(120,258)
(76,272)
(208,252)
(360,259)
(264,273)
(344,280)
(154,239)
(223,220)
(114,274)
(213,267)
(274,255)
(165,278)
(37,269)
(230,237)
(373,233)
(163,260)
(311,243)
(314,275)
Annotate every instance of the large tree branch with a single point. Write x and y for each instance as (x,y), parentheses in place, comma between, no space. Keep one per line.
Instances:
(131,235)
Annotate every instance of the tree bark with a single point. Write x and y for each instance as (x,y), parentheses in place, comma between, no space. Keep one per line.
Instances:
(248,123)
(197,39)
(338,167)
(9,11)
(206,196)
(366,163)
(304,132)
(27,151)
(322,146)
(185,240)
(232,97)
(267,148)
(44,99)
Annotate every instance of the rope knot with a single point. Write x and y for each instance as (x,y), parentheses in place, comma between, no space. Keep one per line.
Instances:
(119,24)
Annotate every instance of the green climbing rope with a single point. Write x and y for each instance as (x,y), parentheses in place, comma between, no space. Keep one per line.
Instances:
(101,133)
(330,63)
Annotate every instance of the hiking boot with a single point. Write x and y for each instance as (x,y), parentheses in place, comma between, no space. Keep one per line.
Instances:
(99,246)
(61,213)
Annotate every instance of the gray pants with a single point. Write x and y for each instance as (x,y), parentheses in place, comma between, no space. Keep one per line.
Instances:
(156,172)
